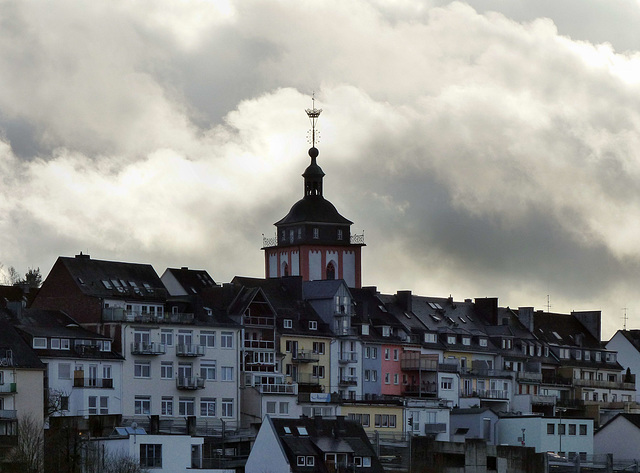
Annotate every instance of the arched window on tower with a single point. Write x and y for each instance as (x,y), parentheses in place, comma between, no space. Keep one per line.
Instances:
(331,271)
(285,269)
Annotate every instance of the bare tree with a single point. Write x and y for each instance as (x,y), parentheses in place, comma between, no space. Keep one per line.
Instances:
(30,449)
(98,460)
(57,401)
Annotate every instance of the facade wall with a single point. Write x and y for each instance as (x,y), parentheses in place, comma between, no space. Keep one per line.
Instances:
(391,382)
(371,369)
(155,388)
(543,433)
(384,418)
(628,357)
(267,453)
(620,438)
(28,400)
(305,371)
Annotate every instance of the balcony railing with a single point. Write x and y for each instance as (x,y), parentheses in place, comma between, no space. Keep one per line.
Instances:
(262,344)
(348,380)
(8,388)
(437,428)
(278,388)
(9,414)
(493,394)
(357,239)
(493,373)
(418,364)
(307,378)
(118,314)
(348,357)
(529,376)
(189,349)
(593,383)
(541,400)
(305,356)
(425,390)
(259,321)
(556,380)
(105,383)
(449,367)
(189,382)
(153,348)
(340,331)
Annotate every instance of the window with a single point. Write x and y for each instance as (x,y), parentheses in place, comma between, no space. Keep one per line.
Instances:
(208,338)
(284,407)
(318,371)
(226,339)
(466,341)
(166,370)
(55,344)
(288,323)
(142,405)
(587,355)
(551,429)
(301,460)
(396,378)
(208,407)
(367,352)
(374,353)
(271,407)
(64,371)
(39,342)
(93,405)
(311,461)
(366,462)
(562,429)
(451,339)
(367,375)
(150,455)
(572,429)
(166,337)
(446,383)
(318,347)
(374,375)
(578,354)
(387,378)
(142,369)
(227,408)
(167,406)
(316,233)
(64,403)
(339,234)
(430,338)
(186,406)
(227,373)
(387,354)
(386,331)
(598,356)
(396,354)
(583,429)
(313,325)
(104,405)
(385,420)
(357,461)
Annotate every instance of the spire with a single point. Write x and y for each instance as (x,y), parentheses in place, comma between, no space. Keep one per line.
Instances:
(313,174)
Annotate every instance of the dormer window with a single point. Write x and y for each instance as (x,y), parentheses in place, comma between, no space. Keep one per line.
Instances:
(313,325)
(316,233)
(466,341)
(365,330)
(578,355)
(430,337)
(39,342)
(483,342)
(386,331)
(288,323)
(339,234)
(451,339)
(598,356)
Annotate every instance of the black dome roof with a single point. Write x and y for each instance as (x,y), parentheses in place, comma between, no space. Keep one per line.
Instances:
(313,209)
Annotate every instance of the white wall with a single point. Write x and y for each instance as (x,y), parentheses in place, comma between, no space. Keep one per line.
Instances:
(267,455)
(620,437)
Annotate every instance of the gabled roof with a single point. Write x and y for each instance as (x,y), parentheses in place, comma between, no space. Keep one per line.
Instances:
(14,348)
(322,289)
(193,281)
(563,330)
(318,436)
(112,279)
(632,336)
(633,418)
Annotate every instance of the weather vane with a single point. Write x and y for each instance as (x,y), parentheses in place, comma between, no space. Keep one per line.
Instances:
(313,113)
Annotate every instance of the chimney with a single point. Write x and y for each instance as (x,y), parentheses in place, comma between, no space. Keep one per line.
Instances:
(591,319)
(82,256)
(487,307)
(525,314)
(404,300)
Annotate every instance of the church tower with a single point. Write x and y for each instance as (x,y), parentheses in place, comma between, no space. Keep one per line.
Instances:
(313,240)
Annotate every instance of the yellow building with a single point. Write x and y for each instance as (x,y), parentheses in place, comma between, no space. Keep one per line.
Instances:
(384,417)
(306,361)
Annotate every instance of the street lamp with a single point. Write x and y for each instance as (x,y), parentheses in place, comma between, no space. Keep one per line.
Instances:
(560,410)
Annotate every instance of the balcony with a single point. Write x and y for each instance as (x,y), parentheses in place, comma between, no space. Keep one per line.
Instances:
(556,380)
(8,388)
(540,400)
(340,331)
(141,348)
(348,380)
(118,314)
(449,367)
(8,414)
(189,382)
(437,428)
(593,383)
(418,363)
(189,349)
(348,357)
(105,383)
(307,378)
(6,357)
(305,356)
(493,373)
(259,344)
(528,376)
(426,389)
(493,394)
(257,321)
(278,388)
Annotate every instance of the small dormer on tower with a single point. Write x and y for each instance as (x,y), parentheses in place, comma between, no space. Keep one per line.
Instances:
(313,240)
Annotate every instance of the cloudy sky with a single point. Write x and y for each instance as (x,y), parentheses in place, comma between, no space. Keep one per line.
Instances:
(488,148)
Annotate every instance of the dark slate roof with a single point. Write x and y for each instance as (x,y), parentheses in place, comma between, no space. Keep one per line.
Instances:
(124,280)
(313,209)
(566,326)
(285,296)
(193,281)
(633,336)
(324,436)
(633,418)
(21,353)
(322,289)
